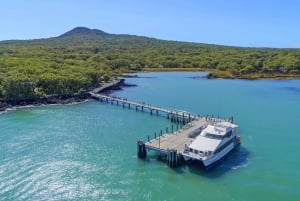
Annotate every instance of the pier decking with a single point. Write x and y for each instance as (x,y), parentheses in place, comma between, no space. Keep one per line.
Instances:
(178,139)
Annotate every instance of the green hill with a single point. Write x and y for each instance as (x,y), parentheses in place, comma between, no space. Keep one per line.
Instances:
(81,58)
(84,31)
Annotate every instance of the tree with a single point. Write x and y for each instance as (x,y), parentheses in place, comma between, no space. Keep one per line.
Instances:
(18,87)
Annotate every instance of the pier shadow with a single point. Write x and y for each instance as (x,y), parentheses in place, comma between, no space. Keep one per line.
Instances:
(138,76)
(155,158)
(235,160)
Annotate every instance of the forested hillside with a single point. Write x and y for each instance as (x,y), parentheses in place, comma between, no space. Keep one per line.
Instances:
(81,58)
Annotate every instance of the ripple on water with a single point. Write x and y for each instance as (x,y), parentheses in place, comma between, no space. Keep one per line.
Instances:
(57,180)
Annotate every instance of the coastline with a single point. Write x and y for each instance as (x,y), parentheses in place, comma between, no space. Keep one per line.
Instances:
(214,74)
(105,88)
(119,84)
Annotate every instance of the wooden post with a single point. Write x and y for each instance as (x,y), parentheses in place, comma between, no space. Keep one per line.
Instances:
(158,142)
(175,158)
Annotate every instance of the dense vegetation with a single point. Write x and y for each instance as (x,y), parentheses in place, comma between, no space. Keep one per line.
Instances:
(81,58)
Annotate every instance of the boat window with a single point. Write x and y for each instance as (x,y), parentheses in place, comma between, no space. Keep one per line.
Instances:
(228,134)
(213,136)
(224,146)
(210,135)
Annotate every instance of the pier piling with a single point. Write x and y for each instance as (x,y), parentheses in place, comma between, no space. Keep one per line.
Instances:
(142,152)
(172,158)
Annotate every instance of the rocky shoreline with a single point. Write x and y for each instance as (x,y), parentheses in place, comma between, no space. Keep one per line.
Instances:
(107,88)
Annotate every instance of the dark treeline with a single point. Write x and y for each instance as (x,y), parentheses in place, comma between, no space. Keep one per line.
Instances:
(82,58)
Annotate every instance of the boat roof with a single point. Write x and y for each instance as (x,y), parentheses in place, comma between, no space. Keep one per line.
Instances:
(226,124)
(220,128)
(202,143)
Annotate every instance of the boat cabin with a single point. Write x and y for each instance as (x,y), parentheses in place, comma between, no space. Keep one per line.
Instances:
(211,137)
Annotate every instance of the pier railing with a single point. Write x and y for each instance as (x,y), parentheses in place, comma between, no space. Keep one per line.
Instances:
(175,115)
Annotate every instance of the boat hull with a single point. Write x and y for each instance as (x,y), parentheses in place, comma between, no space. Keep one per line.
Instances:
(209,163)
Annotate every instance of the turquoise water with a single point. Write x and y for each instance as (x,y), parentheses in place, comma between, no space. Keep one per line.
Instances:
(88,151)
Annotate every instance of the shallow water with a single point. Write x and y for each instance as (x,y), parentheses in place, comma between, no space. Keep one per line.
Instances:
(88,151)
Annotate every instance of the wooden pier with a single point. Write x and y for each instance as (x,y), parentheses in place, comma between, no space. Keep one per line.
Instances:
(169,145)
(172,145)
(175,115)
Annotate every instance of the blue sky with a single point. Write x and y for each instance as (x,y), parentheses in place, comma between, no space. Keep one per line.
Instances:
(260,23)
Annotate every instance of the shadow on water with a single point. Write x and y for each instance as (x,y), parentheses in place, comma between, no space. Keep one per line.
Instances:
(198,77)
(137,76)
(155,158)
(235,160)
(293,89)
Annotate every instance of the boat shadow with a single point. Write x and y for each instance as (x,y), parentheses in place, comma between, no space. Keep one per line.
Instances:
(237,159)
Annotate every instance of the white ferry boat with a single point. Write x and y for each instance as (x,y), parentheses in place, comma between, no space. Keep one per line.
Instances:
(213,143)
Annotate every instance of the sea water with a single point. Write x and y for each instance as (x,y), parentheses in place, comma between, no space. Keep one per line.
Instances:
(88,151)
